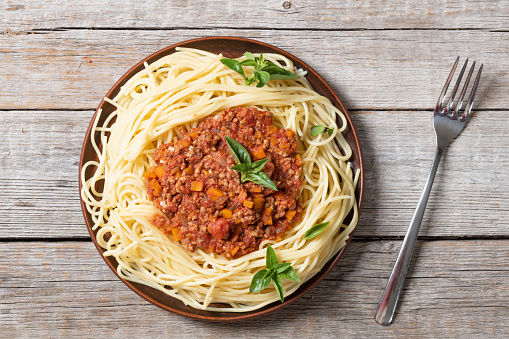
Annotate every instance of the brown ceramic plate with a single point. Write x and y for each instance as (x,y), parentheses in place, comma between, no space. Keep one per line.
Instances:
(231,47)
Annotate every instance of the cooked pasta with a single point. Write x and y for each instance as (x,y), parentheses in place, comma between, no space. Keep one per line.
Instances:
(178,91)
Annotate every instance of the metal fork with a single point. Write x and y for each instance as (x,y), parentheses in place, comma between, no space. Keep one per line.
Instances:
(448,124)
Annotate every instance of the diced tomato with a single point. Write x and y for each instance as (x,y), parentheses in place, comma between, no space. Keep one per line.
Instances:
(219,228)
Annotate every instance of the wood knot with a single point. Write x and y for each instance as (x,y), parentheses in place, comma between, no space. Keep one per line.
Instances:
(287,4)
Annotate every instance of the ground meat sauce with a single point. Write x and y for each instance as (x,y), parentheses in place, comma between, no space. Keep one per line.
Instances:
(204,202)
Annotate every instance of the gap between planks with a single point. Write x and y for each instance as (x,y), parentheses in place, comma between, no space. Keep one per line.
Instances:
(212,28)
(355,239)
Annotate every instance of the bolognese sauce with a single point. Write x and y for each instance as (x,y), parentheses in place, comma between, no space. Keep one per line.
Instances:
(203,200)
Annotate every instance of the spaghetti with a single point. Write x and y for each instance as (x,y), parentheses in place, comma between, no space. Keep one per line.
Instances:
(178,91)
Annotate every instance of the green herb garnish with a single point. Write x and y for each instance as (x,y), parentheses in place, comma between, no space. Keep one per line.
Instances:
(249,171)
(315,230)
(263,70)
(319,129)
(275,271)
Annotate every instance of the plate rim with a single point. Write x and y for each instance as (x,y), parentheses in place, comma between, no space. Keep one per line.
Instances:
(303,289)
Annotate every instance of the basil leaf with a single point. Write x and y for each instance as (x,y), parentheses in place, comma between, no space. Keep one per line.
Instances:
(275,272)
(249,55)
(261,62)
(248,171)
(278,73)
(241,167)
(268,274)
(282,76)
(257,166)
(238,151)
(315,230)
(248,62)
(244,177)
(261,179)
(234,65)
(250,80)
(271,258)
(282,267)
(262,78)
(258,283)
(289,274)
(264,70)
(317,130)
(279,286)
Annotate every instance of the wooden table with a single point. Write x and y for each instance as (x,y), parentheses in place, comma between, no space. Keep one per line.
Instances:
(386,61)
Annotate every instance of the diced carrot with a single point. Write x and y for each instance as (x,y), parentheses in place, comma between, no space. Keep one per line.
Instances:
(267,216)
(278,195)
(299,161)
(226,213)
(189,170)
(258,153)
(284,145)
(289,133)
(193,135)
(267,219)
(155,185)
(149,175)
(197,186)
(185,142)
(271,129)
(290,214)
(256,189)
(159,171)
(214,193)
(235,250)
(258,202)
(258,134)
(248,204)
(176,234)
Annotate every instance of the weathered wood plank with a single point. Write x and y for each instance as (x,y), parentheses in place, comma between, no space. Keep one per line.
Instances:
(351,14)
(39,174)
(469,196)
(453,288)
(368,69)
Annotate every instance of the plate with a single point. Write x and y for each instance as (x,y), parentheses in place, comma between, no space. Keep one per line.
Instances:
(231,47)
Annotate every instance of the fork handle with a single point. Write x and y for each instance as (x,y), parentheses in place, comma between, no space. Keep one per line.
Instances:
(389,299)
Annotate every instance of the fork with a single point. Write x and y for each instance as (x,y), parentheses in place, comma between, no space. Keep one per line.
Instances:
(448,124)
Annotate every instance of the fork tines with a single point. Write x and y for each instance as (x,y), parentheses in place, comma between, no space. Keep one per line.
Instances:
(448,110)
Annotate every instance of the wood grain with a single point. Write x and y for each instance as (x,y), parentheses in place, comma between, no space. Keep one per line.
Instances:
(294,14)
(368,69)
(39,175)
(65,289)
(386,61)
